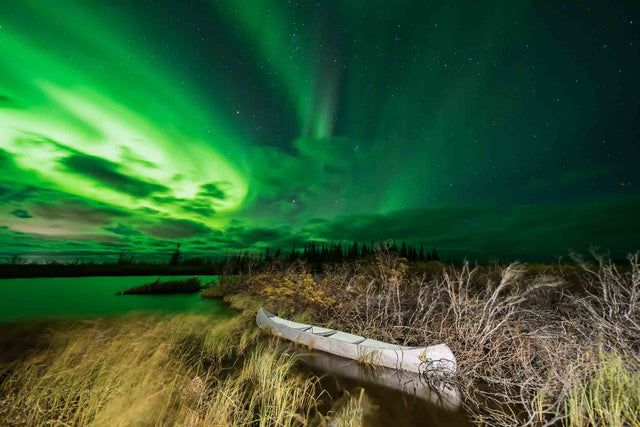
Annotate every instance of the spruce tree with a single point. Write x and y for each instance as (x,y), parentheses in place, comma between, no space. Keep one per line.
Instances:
(176,257)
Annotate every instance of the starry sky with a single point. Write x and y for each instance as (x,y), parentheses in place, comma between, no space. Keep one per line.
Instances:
(504,129)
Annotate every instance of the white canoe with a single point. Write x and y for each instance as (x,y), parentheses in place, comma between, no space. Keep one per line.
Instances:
(433,359)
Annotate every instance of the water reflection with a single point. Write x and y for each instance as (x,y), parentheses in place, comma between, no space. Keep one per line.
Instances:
(401,398)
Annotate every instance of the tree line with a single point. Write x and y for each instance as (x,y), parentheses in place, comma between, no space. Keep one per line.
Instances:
(313,253)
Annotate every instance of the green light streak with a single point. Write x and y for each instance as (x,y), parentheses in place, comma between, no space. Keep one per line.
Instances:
(285,49)
(96,111)
(239,124)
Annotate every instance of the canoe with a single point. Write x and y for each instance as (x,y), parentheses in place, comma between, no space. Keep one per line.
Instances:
(432,360)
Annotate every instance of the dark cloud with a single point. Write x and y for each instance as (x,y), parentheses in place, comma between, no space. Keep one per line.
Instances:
(176,229)
(123,230)
(131,157)
(250,236)
(8,102)
(199,205)
(171,200)
(76,212)
(482,232)
(243,236)
(5,158)
(213,190)
(106,173)
(12,192)
(199,208)
(407,225)
(147,211)
(91,237)
(7,165)
(21,213)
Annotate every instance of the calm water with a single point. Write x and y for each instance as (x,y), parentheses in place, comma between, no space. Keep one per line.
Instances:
(397,398)
(94,296)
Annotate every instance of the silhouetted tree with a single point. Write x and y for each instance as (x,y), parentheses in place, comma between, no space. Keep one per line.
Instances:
(176,257)
(364,252)
(293,255)
(403,250)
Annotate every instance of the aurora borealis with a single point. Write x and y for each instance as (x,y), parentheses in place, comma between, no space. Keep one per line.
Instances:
(488,129)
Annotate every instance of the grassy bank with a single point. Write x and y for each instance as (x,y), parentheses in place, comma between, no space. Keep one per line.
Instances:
(186,286)
(189,370)
(536,345)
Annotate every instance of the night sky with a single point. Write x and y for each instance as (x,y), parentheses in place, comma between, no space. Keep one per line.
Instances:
(506,129)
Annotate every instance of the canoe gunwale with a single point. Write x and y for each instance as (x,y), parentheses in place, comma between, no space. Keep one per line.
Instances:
(333,332)
(411,359)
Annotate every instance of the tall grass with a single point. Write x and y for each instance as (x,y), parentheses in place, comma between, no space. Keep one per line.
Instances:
(262,391)
(352,409)
(536,346)
(182,370)
(608,397)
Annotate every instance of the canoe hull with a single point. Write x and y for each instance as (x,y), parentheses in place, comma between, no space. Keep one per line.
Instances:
(411,359)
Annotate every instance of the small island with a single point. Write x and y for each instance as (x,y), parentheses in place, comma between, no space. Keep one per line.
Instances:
(187,286)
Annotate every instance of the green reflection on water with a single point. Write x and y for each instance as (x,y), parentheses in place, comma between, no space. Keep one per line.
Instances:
(78,297)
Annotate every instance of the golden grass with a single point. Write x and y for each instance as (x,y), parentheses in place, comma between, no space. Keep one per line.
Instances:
(369,358)
(523,343)
(262,390)
(155,370)
(351,409)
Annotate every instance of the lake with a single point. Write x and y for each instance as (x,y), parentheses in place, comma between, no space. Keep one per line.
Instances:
(77,297)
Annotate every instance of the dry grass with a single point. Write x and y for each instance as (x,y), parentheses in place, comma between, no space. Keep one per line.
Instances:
(536,345)
(153,371)
(351,410)
(184,370)
(532,343)
(262,391)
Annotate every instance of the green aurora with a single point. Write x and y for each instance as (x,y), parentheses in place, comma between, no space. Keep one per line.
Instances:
(502,129)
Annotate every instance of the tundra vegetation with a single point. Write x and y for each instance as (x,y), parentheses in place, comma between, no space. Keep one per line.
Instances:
(536,345)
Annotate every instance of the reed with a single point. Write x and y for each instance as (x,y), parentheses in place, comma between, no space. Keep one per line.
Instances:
(352,409)
(153,370)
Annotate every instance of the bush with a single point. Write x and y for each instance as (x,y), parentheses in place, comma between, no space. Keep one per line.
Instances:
(524,336)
